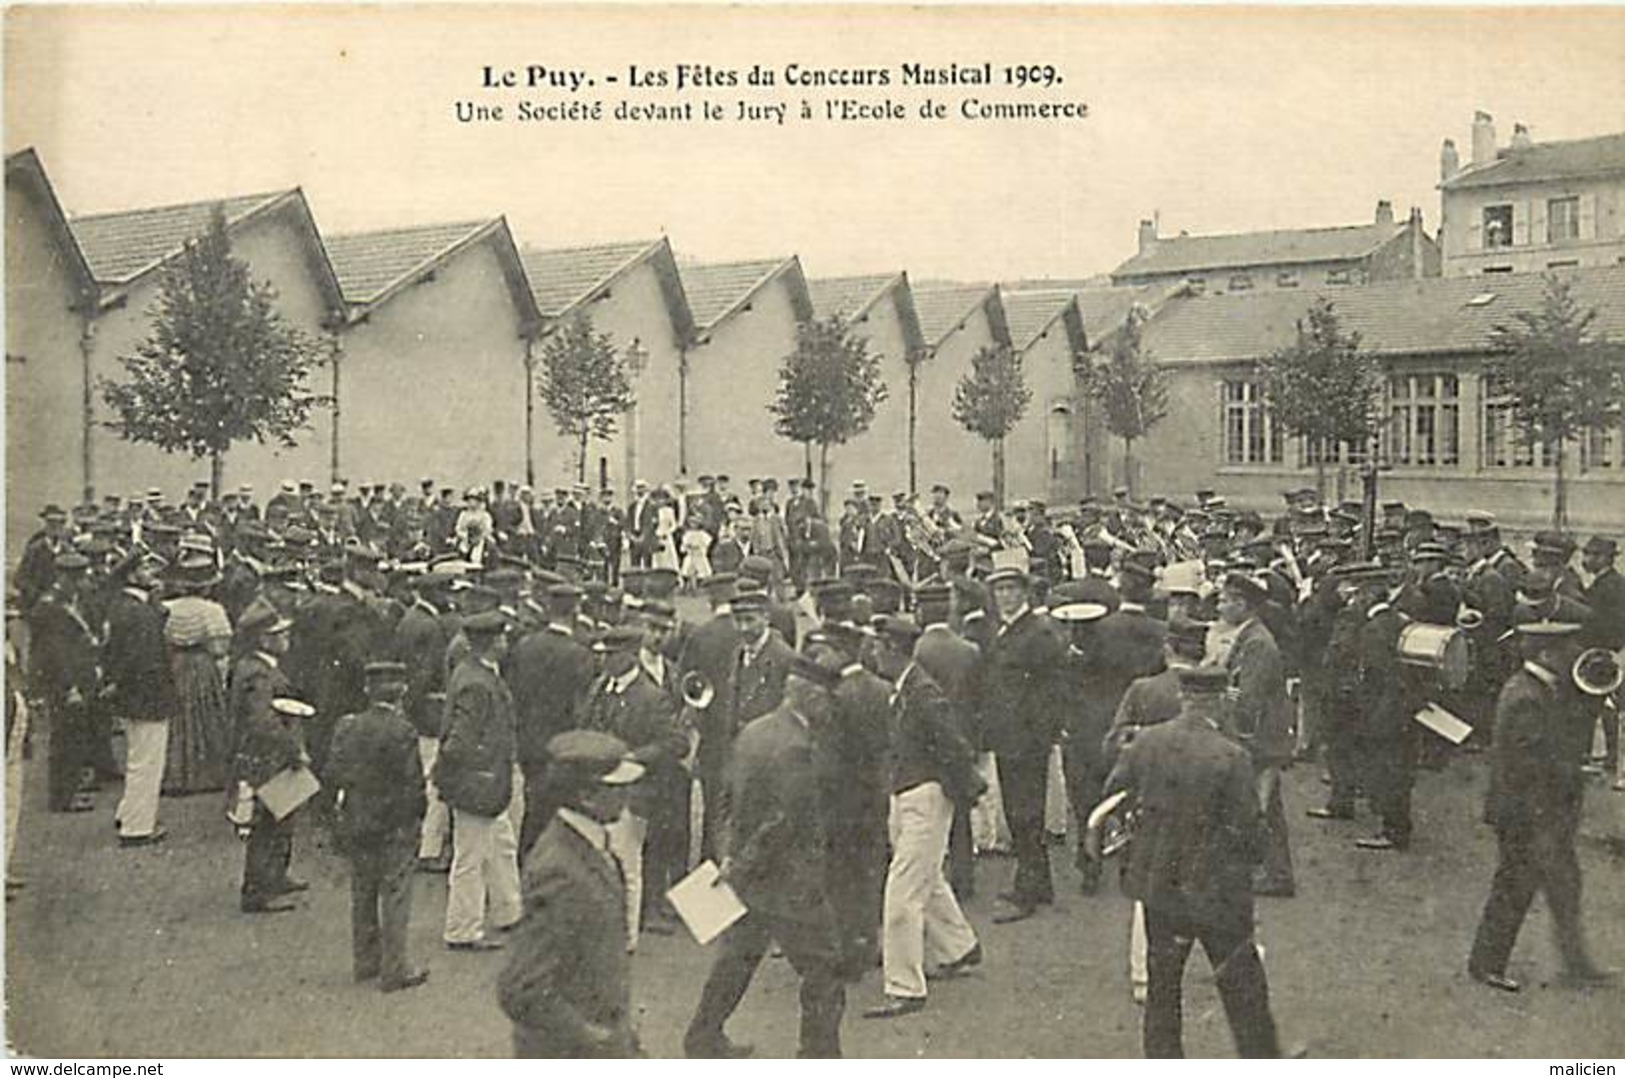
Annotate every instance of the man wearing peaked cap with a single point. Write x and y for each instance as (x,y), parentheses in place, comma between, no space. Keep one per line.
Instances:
(1605,595)
(375,767)
(776,857)
(566,987)
(1543,727)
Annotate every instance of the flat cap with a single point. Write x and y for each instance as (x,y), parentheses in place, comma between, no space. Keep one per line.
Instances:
(619,639)
(1008,575)
(591,757)
(485,623)
(1204,679)
(385,671)
(1078,613)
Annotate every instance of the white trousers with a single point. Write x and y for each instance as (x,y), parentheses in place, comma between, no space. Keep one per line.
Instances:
(1138,974)
(989,830)
(146,744)
(922,917)
(437,819)
(484,876)
(626,838)
(14,772)
(1057,808)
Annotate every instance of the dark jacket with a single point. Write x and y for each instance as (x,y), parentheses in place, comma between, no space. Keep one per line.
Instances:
(568,981)
(550,672)
(1021,713)
(775,831)
(645,717)
(858,752)
(375,765)
(927,745)
(1542,736)
(255,682)
(63,650)
(1260,713)
(135,662)
(420,643)
(1606,598)
(474,771)
(1197,839)
(955,663)
(758,687)
(1148,701)
(1383,695)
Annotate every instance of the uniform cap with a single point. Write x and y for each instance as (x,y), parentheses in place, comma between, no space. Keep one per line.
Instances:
(750,601)
(619,639)
(1601,545)
(486,623)
(1008,575)
(809,669)
(262,619)
(1078,613)
(592,757)
(295,709)
(1204,679)
(900,628)
(385,671)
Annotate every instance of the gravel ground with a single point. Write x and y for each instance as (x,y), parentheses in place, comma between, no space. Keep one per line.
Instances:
(142,952)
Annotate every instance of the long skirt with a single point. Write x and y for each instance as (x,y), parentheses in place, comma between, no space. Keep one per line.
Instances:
(200,735)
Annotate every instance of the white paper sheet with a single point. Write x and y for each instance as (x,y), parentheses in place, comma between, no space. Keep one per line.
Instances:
(1444,724)
(707,907)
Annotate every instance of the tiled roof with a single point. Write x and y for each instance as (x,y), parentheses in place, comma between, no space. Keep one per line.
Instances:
(715,288)
(942,309)
(121,244)
(1432,315)
(1105,309)
(846,296)
(368,263)
(1569,159)
(561,277)
(1183,254)
(1030,312)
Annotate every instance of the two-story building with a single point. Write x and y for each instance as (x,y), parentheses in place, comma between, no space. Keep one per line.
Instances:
(1298,258)
(1531,206)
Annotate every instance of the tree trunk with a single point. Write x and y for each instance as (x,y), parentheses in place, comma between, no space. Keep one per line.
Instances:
(1560,502)
(823,476)
(217,473)
(1128,465)
(1320,477)
(998,472)
(913,428)
(581,460)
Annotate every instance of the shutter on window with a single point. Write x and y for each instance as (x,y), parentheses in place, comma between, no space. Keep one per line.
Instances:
(1588,216)
(1520,224)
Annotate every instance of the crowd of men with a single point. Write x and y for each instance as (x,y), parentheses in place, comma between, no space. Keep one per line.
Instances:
(502,688)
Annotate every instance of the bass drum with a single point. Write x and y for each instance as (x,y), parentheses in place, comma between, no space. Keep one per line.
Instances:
(1437,647)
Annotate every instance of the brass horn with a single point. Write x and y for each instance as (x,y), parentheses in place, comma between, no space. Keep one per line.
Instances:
(1468,618)
(698,691)
(1598,671)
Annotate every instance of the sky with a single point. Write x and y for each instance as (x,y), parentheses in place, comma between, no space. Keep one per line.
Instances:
(1213,119)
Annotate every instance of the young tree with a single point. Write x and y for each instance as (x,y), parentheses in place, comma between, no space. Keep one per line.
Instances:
(1564,380)
(585,384)
(1130,388)
(1323,388)
(990,400)
(829,388)
(219,366)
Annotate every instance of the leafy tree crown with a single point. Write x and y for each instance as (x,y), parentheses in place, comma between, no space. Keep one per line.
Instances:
(1324,387)
(829,387)
(1130,388)
(1561,377)
(583,381)
(993,395)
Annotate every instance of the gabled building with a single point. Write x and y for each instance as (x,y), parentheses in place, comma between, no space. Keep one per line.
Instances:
(880,310)
(1449,444)
(430,376)
(957,322)
(1383,250)
(745,319)
(1049,453)
(51,302)
(127,250)
(1531,206)
(633,292)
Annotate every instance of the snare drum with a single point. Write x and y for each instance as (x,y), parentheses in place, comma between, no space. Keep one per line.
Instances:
(1437,647)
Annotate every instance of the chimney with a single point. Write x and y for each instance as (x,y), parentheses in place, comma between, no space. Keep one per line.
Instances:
(1385,214)
(1449,160)
(1520,137)
(1148,235)
(1414,227)
(1483,138)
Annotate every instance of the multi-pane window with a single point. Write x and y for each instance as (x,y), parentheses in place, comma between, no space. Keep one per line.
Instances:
(1316,451)
(1562,219)
(1249,435)
(1497,226)
(1504,445)
(1599,449)
(1424,420)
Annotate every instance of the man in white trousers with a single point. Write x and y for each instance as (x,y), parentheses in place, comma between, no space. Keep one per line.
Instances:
(932,766)
(137,689)
(475,774)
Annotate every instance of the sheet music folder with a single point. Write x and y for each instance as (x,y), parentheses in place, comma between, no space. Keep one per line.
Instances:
(706,906)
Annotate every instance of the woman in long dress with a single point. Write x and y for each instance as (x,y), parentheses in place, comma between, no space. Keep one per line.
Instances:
(666,524)
(199,637)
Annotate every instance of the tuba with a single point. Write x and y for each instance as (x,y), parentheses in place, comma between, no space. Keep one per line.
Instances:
(1598,671)
(1111,825)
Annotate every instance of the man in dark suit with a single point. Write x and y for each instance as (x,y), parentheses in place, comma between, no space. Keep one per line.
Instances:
(626,703)
(567,987)
(612,530)
(1543,731)
(1606,629)
(955,664)
(138,688)
(932,769)
(36,570)
(1191,864)
(421,638)
(63,652)
(1095,586)
(475,776)
(775,858)
(550,671)
(711,650)
(1021,721)
(1387,734)
(642,526)
(379,779)
(1092,694)
(1261,719)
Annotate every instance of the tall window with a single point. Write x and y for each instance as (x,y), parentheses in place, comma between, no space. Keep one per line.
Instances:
(1424,413)
(1504,446)
(1497,226)
(1249,435)
(1315,451)
(1562,219)
(1598,449)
